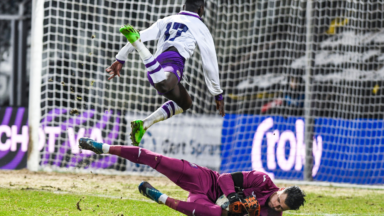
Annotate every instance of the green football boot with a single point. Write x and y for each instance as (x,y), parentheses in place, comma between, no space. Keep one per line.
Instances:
(130,33)
(138,132)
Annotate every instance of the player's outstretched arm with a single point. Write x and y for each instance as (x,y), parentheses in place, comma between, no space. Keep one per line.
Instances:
(114,69)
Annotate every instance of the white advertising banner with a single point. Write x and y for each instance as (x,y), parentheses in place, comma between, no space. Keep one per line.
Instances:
(196,139)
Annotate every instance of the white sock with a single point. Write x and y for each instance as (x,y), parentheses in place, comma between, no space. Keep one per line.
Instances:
(142,50)
(155,70)
(167,110)
(163,198)
(106,148)
(158,115)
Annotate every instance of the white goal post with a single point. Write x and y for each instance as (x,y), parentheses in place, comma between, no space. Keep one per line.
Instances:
(35,83)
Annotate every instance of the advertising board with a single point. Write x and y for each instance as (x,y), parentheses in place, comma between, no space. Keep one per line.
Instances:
(344,151)
(14,137)
(192,138)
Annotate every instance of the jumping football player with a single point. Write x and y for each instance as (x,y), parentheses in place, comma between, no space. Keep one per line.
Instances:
(177,37)
(251,191)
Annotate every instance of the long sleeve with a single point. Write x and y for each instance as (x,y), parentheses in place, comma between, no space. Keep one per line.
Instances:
(151,33)
(258,184)
(209,60)
(226,184)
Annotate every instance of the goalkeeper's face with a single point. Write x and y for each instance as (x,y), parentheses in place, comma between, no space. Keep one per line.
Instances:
(277,201)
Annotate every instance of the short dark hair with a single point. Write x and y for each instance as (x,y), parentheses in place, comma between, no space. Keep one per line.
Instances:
(295,197)
(193,5)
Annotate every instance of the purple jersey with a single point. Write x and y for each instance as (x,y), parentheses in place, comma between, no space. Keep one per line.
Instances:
(257,184)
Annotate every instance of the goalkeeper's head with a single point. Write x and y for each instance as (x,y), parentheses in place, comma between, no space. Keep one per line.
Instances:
(290,198)
(196,6)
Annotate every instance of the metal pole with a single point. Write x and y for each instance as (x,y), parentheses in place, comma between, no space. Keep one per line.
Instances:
(22,60)
(309,123)
(15,63)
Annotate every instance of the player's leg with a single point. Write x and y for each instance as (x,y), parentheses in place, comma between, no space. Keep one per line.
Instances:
(201,206)
(165,82)
(170,167)
(184,174)
(179,101)
(154,68)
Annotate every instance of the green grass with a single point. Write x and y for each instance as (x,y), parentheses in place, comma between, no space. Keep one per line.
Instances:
(39,193)
(331,201)
(37,202)
(30,202)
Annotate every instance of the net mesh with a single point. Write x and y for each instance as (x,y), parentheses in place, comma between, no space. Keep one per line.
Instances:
(264,79)
(81,39)
(261,48)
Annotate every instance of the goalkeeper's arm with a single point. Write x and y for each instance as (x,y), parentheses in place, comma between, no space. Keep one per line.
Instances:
(227,185)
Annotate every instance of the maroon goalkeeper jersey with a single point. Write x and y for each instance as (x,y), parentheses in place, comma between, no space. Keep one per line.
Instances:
(257,184)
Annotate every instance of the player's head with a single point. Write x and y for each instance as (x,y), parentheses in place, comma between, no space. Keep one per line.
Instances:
(290,198)
(196,6)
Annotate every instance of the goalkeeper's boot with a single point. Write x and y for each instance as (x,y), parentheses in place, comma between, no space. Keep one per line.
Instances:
(138,132)
(130,33)
(89,144)
(147,190)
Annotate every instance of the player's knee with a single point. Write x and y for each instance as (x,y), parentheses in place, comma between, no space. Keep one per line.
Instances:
(187,105)
(162,87)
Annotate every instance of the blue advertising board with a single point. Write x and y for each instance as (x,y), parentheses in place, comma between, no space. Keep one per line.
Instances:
(344,151)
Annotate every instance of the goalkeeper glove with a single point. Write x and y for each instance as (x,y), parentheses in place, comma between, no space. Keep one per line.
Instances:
(251,205)
(235,204)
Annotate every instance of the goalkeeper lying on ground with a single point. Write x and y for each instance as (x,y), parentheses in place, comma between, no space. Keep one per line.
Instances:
(250,192)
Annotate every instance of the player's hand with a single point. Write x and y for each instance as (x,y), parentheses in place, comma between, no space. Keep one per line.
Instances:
(114,69)
(235,204)
(220,107)
(251,205)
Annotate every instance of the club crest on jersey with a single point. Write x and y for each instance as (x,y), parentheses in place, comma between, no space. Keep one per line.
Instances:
(193,165)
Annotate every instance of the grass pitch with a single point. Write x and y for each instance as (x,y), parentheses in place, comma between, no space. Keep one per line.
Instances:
(27,193)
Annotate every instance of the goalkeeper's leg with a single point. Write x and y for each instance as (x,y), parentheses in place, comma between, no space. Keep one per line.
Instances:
(184,174)
(202,206)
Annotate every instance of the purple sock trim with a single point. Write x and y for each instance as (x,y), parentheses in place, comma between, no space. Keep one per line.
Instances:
(122,62)
(173,107)
(151,64)
(165,107)
(156,70)
(219,97)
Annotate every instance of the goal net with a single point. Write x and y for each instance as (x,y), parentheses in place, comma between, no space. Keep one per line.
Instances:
(80,40)
(282,65)
(294,64)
